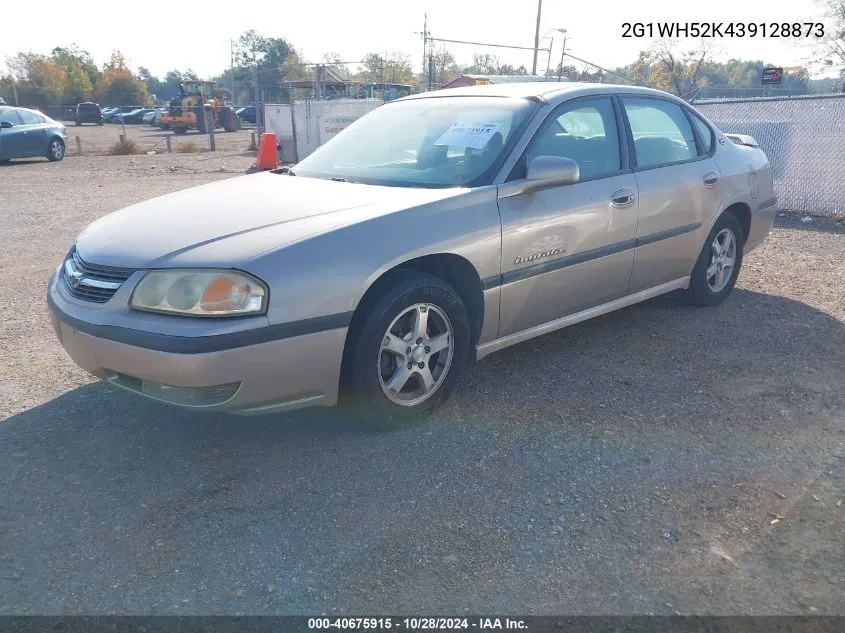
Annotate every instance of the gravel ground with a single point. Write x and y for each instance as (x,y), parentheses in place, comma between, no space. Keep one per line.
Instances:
(660,459)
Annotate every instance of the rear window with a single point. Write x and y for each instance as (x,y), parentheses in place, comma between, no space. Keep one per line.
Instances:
(88,106)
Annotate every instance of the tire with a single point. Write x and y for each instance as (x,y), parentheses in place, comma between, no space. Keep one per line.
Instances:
(369,366)
(4,160)
(180,130)
(56,150)
(99,122)
(79,124)
(711,282)
(204,122)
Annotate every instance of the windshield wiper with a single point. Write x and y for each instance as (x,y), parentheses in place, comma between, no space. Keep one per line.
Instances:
(339,179)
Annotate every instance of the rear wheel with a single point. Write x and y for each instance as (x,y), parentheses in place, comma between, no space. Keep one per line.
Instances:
(717,268)
(205,120)
(56,150)
(405,357)
(229,120)
(180,130)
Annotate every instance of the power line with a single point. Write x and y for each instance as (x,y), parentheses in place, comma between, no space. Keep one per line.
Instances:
(524,48)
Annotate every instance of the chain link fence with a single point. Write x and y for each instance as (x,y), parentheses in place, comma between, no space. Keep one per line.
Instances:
(804,138)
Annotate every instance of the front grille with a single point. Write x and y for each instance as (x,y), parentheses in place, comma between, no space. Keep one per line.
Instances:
(92,282)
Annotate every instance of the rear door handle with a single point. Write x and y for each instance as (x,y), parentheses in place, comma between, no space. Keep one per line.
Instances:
(710,179)
(622,198)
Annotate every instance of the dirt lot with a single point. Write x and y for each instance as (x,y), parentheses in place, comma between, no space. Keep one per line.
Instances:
(97,140)
(660,459)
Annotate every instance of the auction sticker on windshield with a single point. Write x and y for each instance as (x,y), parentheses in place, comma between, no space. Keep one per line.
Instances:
(473,136)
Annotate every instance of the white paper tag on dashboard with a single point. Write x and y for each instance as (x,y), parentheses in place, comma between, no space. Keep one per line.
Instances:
(474,136)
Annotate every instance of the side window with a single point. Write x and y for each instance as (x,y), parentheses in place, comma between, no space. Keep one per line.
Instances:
(11,116)
(662,133)
(584,131)
(30,118)
(704,132)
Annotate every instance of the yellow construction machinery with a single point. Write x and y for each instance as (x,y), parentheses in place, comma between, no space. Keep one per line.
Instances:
(197,107)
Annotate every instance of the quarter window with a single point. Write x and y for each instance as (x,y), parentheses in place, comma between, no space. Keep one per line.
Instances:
(662,133)
(584,131)
(704,132)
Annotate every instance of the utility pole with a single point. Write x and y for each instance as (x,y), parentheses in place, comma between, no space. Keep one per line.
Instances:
(537,36)
(562,53)
(255,86)
(425,45)
(232,70)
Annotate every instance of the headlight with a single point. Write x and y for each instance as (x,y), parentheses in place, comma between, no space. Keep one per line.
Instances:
(200,293)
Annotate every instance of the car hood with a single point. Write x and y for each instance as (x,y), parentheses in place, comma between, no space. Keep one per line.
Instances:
(228,222)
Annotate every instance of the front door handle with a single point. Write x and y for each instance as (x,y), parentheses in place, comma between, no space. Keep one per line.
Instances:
(622,198)
(710,179)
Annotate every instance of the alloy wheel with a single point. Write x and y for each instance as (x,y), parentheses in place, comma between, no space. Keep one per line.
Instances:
(415,355)
(722,260)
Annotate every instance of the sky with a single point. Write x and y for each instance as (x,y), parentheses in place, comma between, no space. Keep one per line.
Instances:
(199,39)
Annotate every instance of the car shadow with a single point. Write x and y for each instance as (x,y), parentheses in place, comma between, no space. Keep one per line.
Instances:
(506,500)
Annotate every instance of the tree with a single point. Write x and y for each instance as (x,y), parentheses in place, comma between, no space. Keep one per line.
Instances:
(440,68)
(393,68)
(155,86)
(665,67)
(831,48)
(40,81)
(118,86)
(78,87)
(275,58)
(69,56)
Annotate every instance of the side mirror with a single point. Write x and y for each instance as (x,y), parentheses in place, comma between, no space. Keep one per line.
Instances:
(544,172)
(4,125)
(553,171)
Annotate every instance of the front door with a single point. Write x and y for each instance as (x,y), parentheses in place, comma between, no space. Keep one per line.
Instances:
(11,138)
(569,248)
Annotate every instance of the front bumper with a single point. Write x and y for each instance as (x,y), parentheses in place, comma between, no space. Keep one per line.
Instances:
(280,374)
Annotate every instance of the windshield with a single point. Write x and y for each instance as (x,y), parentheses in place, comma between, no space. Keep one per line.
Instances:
(437,142)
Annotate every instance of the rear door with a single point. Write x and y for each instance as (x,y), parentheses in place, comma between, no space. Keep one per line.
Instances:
(679,192)
(11,139)
(569,248)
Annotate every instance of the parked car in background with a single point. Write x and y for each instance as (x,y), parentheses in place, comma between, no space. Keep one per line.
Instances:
(372,271)
(2,101)
(157,119)
(88,112)
(246,114)
(26,133)
(148,117)
(113,116)
(136,116)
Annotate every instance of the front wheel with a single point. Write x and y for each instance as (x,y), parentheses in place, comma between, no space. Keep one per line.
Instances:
(56,150)
(717,268)
(404,359)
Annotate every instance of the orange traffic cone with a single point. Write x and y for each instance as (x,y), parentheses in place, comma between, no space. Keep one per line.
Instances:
(268,156)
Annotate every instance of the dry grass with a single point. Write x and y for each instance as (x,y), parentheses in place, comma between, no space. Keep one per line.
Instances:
(188,147)
(124,147)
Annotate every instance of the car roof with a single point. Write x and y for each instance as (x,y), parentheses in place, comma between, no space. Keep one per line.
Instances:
(549,91)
